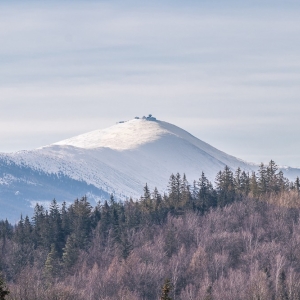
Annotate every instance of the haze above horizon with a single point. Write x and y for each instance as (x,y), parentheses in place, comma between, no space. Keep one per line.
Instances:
(227,73)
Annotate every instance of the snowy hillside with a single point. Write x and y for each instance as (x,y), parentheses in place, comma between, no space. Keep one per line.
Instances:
(118,160)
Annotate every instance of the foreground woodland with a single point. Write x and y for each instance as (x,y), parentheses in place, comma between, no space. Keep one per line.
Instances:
(238,238)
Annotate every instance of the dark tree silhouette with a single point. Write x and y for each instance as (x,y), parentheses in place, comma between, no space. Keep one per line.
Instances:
(166,289)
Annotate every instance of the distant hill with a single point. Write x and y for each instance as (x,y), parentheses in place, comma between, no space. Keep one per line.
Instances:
(118,160)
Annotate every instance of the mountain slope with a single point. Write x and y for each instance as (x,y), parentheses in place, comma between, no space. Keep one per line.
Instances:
(118,160)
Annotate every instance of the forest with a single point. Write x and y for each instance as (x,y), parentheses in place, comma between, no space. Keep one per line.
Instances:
(236,238)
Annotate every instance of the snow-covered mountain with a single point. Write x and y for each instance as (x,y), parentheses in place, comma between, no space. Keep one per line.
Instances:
(118,160)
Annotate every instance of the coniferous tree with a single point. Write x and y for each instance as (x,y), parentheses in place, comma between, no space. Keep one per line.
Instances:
(112,200)
(52,263)
(116,226)
(245,184)
(3,289)
(38,225)
(147,200)
(19,232)
(166,289)
(195,190)
(175,184)
(157,199)
(55,224)
(282,183)
(185,191)
(96,215)
(225,187)
(209,295)
(262,179)
(105,220)
(297,185)
(237,180)
(27,231)
(147,194)
(70,253)
(158,206)
(6,230)
(272,178)
(81,221)
(125,245)
(254,188)
(205,197)
(65,221)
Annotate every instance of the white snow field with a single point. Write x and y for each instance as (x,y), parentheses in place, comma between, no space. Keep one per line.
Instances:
(123,158)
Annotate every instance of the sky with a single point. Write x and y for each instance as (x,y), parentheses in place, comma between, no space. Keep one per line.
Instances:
(226,71)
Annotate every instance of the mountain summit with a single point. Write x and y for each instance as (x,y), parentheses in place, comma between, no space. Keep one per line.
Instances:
(119,160)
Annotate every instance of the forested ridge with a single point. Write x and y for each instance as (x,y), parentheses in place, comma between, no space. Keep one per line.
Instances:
(236,238)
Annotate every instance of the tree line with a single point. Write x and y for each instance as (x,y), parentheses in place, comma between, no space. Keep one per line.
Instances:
(201,239)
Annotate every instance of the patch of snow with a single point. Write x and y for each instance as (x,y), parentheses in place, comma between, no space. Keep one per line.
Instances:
(122,136)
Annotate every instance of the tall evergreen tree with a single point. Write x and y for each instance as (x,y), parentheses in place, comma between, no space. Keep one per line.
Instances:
(262,179)
(3,289)
(147,200)
(55,223)
(282,183)
(70,253)
(185,191)
(81,221)
(272,178)
(205,197)
(297,185)
(174,188)
(225,187)
(38,221)
(237,180)
(147,194)
(52,263)
(245,184)
(254,188)
(166,289)
(208,295)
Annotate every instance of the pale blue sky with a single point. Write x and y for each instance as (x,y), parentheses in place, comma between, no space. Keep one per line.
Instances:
(227,72)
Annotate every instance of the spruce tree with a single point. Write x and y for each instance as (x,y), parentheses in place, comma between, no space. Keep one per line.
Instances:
(208,295)
(3,289)
(272,178)
(70,253)
(147,194)
(38,224)
(297,185)
(237,180)
(166,289)
(81,221)
(262,179)
(55,224)
(52,263)
(185,191)
(205,197)
(146,199)
(174,187)
(245,183)
(282,183)
(254,189)
(225,187)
